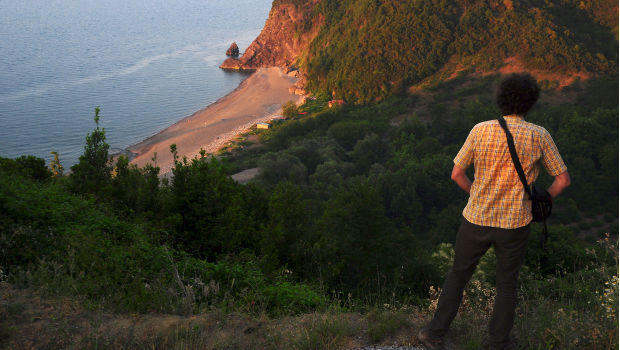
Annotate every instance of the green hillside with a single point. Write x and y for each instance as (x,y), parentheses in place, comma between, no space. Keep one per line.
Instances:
(368,49)
(353,210)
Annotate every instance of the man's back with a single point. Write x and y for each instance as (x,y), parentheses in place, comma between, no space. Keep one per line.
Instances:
(497,197)
(497,213)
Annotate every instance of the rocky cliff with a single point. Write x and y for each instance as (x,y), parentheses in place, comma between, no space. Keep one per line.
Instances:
(365,50)
(290,28)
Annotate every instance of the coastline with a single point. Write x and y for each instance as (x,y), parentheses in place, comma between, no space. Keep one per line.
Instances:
(257,99)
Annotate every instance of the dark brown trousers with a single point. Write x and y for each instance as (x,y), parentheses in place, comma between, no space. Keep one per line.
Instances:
(472,241)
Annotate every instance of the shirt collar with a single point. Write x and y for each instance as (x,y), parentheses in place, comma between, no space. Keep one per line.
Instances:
(514,116)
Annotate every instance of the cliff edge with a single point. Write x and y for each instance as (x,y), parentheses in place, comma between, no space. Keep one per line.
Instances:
(287,33)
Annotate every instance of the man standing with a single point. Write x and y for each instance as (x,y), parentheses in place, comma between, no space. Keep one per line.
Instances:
(498,212)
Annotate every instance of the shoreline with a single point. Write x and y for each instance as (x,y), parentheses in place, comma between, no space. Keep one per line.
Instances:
(257,99)
(132,154)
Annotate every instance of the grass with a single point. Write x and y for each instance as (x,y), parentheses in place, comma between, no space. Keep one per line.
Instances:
(580,312)
(28,320)
(385,323)
(323,331)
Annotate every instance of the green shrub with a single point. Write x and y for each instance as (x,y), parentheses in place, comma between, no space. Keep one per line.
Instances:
(68,245)
(314,151)
(289,109)
(368,151)
(609,218)
(288,298)
(277,167)
(28,166)
(383,324)
(584,225)
(596,223)
(213,215)
(347,133)
(136,190)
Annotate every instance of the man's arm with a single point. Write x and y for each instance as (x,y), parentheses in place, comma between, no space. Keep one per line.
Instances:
(460,177)
(559,184)
(463,160)
(553,163)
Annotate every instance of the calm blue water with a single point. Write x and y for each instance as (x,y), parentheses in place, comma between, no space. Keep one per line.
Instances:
(146,63)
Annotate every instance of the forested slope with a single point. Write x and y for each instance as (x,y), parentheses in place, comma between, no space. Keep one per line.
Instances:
(368,49)
(361,50)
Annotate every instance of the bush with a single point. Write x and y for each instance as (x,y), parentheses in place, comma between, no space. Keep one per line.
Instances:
(347,133)
(28,166)
(368,151)
(289,298)
(136,190)
(68,245)
(382,324)
(281,166)
(290,110)
(211,214)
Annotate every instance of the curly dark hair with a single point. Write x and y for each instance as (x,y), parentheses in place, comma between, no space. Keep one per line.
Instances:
(517,93)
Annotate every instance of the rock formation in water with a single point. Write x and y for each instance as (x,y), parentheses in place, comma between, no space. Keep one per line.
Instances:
(233,50)
(286,35)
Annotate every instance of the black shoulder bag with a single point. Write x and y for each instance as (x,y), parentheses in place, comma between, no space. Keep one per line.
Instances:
(541,199)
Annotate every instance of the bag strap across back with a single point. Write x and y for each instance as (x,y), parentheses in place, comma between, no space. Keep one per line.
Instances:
(514,156)
(519,168)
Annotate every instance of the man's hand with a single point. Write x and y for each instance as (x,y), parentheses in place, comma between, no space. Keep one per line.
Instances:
(559,184)
(461,179)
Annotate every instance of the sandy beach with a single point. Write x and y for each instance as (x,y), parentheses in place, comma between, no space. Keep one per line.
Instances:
(258,98)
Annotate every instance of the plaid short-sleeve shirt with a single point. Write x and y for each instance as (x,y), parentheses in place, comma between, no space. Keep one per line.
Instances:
(497,197)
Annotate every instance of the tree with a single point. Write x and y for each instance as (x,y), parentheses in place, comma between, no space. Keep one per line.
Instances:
(284,241)
(92,173)
(368,151)
(135,190)
(212,214)
(356,244)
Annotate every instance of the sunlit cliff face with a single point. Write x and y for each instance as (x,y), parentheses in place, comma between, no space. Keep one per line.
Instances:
(285,37)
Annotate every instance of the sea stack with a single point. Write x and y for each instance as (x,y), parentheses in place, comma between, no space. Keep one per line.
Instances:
(233,50)
(280,43)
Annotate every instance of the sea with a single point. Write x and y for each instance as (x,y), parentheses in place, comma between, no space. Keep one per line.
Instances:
(145,63)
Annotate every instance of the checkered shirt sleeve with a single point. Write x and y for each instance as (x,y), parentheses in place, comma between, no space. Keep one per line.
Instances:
(466,155)
(551,159)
